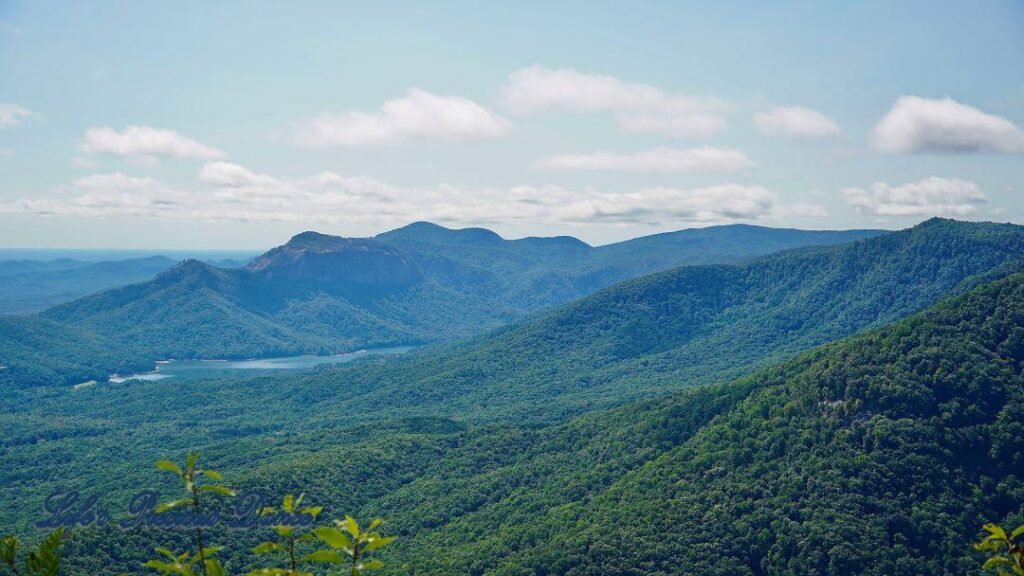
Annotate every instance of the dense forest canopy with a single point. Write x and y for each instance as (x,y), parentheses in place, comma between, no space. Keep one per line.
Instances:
(880,454)
(680,422)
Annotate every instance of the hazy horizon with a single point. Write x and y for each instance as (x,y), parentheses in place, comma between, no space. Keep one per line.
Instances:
(12,252)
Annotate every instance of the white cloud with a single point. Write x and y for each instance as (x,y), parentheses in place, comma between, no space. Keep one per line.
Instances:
(229,192)
(13,114)
(231,175)
(419,114)
(146,142)
(932,196)
(114,194)
(795,122)
(924,125)
(658,160)
(636,107)
(115,181)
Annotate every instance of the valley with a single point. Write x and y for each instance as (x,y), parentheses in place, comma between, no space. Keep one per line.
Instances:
(322,295)
(651,405)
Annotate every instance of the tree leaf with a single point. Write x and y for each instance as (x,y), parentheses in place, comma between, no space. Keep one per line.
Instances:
(166,552)
(288,504)
(351,526)
(371,565)
(995,561)
(172,504)
(1017,532)
(313,511)
(995,530)
(333,538)
(213,568)
(267,547)
(378,542)
(218,489)
(323,556)
(169,466)
(158,565)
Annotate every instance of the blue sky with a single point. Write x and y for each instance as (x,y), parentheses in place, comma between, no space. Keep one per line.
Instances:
(235,125)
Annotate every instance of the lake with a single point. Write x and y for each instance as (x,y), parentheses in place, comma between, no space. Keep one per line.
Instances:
(196,369)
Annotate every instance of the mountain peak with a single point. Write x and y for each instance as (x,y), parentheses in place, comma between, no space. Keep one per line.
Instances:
(437,234)
(335,259)
(192,271)
(317,241)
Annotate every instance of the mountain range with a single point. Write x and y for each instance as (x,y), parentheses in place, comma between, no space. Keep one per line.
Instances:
(33,285)
(423,283)
(852,409)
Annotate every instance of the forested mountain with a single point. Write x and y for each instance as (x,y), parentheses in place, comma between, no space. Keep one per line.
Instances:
(689,325)
(38,352)
(421,283)
(33,285)
(881,454)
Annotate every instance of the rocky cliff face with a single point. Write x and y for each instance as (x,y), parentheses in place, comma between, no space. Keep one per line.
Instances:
(316,257)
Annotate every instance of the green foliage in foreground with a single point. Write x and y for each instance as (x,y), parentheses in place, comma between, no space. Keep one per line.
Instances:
(1005,551)
(43,561)
(344,537)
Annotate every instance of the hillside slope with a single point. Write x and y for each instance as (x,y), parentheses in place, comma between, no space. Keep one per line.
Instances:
(690,325)
(882,455)
(418,284)
(28,286)
(37,352)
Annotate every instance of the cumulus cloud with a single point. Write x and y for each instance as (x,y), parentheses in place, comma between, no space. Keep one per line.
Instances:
(114,194)
(795,122)
(658,160)
(230,175)
(146,142)
(419,114)
(13,114)
(925,125)
(949,197)
(637,107)
(226,191)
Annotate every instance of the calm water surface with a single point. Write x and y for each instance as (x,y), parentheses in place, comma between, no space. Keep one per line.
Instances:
(195,369)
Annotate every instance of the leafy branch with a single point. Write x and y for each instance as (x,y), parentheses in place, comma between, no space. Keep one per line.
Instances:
(356,544)
(1005,551)
(43,561)
(289,533)
(189,476)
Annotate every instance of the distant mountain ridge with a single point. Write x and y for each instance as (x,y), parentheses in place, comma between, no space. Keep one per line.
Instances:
(417,284)
(28,286)
(689,325)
